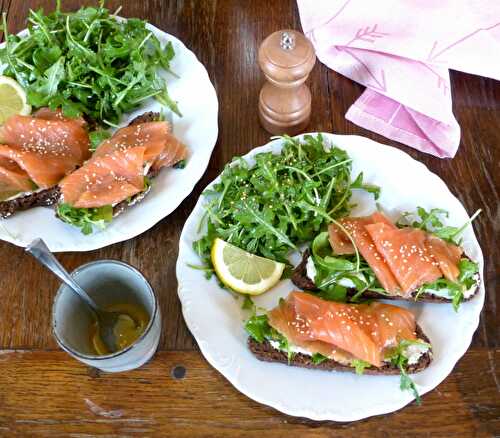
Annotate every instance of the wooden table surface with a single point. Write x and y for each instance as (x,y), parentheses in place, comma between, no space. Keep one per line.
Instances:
(45,392)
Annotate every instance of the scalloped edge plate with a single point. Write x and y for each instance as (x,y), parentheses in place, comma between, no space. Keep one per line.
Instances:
(215,317)
(198,129)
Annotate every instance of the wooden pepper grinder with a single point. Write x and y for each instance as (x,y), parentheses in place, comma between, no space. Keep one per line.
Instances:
(286,57)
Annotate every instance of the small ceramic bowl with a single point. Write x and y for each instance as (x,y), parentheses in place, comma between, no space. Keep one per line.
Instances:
(107,282)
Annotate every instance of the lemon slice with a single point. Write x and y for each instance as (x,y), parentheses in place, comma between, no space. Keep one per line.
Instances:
(244,272)
(12,99)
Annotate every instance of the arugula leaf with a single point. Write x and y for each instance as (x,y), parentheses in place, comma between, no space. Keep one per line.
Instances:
(431,221)
(85,218)
(97,137)
(166,100)
(88,62)
(360,365)
(258,328)
(248,304)
(398,358)
(370,188)
(208,271)
(407,384)
(180,165)
(321,251)
(334,292)
(318,358)
(331,270)
(48,84)
(468,270)
(466,279)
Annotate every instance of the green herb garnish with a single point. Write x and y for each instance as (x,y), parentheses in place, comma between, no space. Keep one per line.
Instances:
(331,270)
(248,304)
(283,200)
(97,137)
(259,329)
(431,221)
(318,358)
(85,218)
(455,289)
(88,62)
(360,365)
(180,165)
(398,358)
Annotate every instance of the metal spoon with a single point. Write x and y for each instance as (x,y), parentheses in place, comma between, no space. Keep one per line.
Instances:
(105,319)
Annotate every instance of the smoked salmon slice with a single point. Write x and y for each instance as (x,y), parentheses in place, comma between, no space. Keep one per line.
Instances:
(45,148)
(356,227)
(174,152)
(446,255)
(13,179)
(105,180)
(340,242)
(45,136)
(406,253)
(116,170)
(48,114)
(162,148)
(342,331)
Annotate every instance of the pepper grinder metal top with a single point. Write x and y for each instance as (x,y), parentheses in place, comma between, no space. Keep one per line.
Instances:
(286,57)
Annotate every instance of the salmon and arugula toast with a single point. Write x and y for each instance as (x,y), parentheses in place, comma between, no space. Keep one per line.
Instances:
(371,338)
(36,153)
(373,257)
(46,160)
(119,173)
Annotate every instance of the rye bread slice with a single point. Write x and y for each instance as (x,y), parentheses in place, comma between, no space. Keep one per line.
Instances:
(52,195)
(265,352)
(302,281)
(43,198)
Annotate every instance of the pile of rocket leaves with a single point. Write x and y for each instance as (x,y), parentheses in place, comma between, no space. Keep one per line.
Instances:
(281,201)
(88,62)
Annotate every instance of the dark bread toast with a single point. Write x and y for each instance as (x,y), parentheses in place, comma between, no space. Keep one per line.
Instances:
(264,351)
(52,195)
(302,281)
(43,198)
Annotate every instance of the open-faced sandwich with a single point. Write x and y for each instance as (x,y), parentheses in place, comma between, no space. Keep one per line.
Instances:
(119,173)
(46,160)
(36,153)
(371,338)
(375,258)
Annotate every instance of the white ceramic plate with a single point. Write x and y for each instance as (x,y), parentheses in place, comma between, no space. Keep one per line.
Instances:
(197,129)
(215,317)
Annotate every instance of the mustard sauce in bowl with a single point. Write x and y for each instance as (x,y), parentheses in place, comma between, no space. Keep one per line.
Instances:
(130,325)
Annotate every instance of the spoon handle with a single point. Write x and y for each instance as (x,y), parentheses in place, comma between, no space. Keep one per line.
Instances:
(41,252)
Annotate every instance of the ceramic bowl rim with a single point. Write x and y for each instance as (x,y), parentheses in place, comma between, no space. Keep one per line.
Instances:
(87,266)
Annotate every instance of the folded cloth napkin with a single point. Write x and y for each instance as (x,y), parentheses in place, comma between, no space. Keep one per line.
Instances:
(401,51)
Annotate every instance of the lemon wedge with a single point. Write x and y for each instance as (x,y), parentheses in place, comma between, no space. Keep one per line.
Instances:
(242,271)
(12,99)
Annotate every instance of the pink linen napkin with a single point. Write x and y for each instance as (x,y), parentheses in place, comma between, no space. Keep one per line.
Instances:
(401,51)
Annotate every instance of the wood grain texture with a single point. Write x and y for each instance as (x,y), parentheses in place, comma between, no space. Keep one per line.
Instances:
(42,392)
(47,393)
